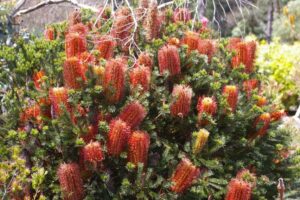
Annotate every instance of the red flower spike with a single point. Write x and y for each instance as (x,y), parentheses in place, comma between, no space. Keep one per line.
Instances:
(182,103)
(79,28)
(231,93)
(249,86)
(251,52)
(105,45)
(238,190)
(92,153)
(206,47)
(181,14)
(70,180)
(191,39)
(233,42)
(184,176)
(133,114)
(145,59)
(58,96)
(31,113)
(206,105)
(277,115)
(86,59)
(261,101)
(73,70)
(75,44)
(151,22)
(140,76)
(168,60)
(118,136)
(138,146)
(265,119)
(38,79)
(49,34)
(114,80)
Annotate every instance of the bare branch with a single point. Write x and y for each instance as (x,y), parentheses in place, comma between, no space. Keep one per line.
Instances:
(161,6)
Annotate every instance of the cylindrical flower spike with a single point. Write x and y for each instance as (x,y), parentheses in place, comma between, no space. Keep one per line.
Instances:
(208,106)
(49,34)
(168,60)
(70,180)
(114,80)
(265,119)
(140,76)
(79,28)
(33,112)
(191,39)
(59,96)
(138,146)
(118,136)
(92,154)
(233,42)
(206,47)
(145,59)
(277,115)
(38,79)
(105,45)
(74,73)
(231,93)
(86,59)
(181,14)
(249,86)
(75,44)
(133,114)
(182,95)
(151,22)
(245,54)
(200,138)
(184,176)
(238,190)
(261,101)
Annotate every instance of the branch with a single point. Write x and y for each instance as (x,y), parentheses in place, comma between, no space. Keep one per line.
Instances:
(49,2)
(165,5)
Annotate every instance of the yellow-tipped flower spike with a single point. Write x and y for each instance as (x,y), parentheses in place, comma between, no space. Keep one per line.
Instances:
(200,139)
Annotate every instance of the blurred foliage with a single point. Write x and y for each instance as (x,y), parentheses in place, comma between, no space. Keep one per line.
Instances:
(281,63)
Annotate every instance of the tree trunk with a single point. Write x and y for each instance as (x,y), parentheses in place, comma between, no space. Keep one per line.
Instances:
(270,20)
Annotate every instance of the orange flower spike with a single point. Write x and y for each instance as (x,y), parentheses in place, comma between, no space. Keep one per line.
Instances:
(168,60)
(114,80)
(86,59)
(58,96)
(265,119)
(231,93)
(92,153)
(249,86)
(105,45)
(182,103)
(133,114)
(261,101)
(277,115)
(49,34)
(249,60)
(73,70)
(145,59)
(140,76)
(75,44)
(38,79)
(118,136)
(245,54)
(191,39)
(33,112)
(174,41)
(182,14)
(138,146)
(99,74)
(184,176)
(206,47)
(70,180)
(238,190)
(206,105)
(233,42)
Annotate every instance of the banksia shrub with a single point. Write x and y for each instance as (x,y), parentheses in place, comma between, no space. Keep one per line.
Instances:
(59,97)
(238,190)
(105,45)
(92,154)
(231,93)
(74,73)
(182,96)
(200,139)
(184,175)
(207,106)
(75,44)
(133,114)
(140,77)
(138,146)
(118,136)
(114,80)
(168,60)
(70,181)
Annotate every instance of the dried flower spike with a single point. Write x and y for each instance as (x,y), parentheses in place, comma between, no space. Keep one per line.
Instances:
(182,95)
(138,146)
(117,137)
(168,60)
(200,138)
(133,114)
(184,176)
(70,180)
(231,93)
